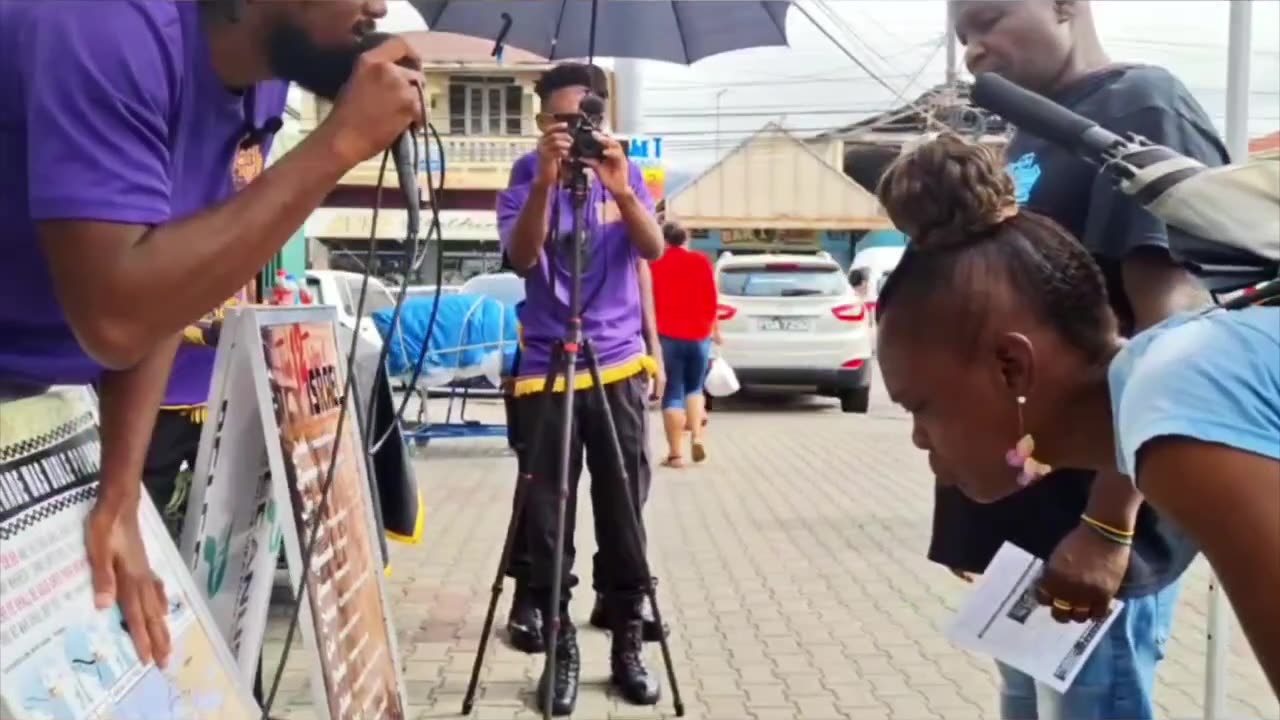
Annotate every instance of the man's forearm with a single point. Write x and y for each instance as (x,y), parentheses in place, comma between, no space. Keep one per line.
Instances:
(531,228)
(179,271)
(128,402)
(642,226)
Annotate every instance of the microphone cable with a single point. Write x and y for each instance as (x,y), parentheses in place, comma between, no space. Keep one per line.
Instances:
(411,245)
(421,361)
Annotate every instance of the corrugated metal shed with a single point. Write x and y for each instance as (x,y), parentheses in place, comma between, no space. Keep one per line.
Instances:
(774,181)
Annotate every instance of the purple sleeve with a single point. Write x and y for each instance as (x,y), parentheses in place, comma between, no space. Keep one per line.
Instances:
(510,202)
(639,188)
(101,80)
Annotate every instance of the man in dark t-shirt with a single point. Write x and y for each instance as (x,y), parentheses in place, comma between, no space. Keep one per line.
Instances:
(1052,48)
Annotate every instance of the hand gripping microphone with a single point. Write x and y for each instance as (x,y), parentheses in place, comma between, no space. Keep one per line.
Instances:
(1236,207)
(403,152)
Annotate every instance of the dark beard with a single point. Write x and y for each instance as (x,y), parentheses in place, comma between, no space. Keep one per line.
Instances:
(323,71)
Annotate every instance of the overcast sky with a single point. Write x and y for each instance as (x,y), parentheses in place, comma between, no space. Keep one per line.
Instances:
(811,85)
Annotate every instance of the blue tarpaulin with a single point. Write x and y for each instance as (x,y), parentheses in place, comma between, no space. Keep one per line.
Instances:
(473,335)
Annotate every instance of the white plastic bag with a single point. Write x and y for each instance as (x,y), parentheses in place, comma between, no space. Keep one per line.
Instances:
(721,380)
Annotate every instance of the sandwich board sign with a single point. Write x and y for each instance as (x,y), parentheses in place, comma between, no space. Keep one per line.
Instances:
(62,659)
(260,475)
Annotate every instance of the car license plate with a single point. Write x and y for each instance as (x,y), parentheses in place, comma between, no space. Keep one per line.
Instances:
(781,324)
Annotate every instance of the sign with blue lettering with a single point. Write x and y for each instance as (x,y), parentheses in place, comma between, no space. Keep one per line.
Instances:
(645,151)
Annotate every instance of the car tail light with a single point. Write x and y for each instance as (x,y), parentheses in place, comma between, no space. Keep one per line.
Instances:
(853,364)
(850,313)
(871,308)
(725,312)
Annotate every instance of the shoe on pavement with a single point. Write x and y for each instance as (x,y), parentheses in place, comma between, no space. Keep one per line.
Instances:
(628,673)
(524,623)
(564,687)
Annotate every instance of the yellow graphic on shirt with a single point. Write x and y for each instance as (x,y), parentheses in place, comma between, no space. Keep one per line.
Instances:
(245,167)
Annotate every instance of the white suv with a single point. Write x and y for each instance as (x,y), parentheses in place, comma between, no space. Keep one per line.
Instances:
(794,321)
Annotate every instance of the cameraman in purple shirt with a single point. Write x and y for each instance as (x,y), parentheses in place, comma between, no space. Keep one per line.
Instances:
(621,229)
(120,125)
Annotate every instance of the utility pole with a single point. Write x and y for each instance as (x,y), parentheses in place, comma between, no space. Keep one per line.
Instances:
(629,77)
(951,45)
(1237,140)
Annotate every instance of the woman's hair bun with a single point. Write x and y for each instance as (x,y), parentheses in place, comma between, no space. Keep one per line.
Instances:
(947,192)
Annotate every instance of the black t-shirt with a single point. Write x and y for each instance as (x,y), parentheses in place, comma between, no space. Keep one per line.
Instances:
(1146,101)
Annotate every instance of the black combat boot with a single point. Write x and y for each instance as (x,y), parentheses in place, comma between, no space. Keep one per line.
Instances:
(564,686)
(629,675)
(524,623)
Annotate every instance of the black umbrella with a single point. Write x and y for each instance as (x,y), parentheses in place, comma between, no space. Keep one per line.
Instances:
(678,31)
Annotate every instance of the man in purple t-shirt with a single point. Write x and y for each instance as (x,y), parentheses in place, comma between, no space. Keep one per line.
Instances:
(621,229)
(120,125)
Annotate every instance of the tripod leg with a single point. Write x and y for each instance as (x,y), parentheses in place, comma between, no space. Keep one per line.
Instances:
(523,478)
(633,512)
(570,360)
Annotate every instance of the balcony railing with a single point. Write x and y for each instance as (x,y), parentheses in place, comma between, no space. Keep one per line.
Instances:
(471,162)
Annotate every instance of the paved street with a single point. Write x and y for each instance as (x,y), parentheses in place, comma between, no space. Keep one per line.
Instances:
(791,570)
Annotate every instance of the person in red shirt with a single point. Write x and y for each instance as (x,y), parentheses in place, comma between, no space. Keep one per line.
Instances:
(684,297)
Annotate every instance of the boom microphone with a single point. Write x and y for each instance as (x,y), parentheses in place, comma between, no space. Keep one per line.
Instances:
(1224,210)
(1125,159)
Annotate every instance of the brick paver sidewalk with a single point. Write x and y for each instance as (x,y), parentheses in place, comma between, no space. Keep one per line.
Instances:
(791,569)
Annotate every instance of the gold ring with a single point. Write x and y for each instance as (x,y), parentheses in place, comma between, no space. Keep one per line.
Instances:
(1063,605)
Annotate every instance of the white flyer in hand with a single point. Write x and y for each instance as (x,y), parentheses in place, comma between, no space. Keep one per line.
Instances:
(1001,618)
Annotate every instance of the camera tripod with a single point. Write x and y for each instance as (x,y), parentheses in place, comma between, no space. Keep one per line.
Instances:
(564,360)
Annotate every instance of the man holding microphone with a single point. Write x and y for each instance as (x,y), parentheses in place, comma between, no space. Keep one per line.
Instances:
(119,220)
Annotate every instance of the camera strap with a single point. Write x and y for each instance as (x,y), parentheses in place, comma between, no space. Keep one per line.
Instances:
(560,244)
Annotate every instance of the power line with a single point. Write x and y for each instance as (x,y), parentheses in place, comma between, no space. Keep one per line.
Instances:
(799,80)
(694,136)
(775,110)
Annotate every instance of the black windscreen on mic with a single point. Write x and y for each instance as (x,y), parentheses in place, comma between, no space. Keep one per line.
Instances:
(591,105)
(1041,116)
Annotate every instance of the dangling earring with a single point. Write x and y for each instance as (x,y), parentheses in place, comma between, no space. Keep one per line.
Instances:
(1020,457)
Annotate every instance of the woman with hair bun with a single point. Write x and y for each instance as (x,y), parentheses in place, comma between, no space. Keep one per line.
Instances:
(1021,368)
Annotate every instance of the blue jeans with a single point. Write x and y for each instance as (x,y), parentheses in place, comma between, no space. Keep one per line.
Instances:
(1117,680)
(685,362)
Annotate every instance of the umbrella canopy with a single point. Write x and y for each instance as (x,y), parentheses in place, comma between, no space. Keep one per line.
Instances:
(678,31)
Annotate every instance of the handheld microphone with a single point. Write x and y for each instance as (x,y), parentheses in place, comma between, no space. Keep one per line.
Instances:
(402,152)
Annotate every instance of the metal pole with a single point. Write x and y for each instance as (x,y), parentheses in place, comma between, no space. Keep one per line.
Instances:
(952,60)
(629,77)
(1237,140)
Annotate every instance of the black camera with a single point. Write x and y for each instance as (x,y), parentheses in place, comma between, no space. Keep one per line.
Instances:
(583,126)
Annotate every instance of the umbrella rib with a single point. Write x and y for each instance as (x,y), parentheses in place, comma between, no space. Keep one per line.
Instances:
(782,28)
(555,39)
(684,42)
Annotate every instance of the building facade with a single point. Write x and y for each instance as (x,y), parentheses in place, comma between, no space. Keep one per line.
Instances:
(484,110)
(776,193)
